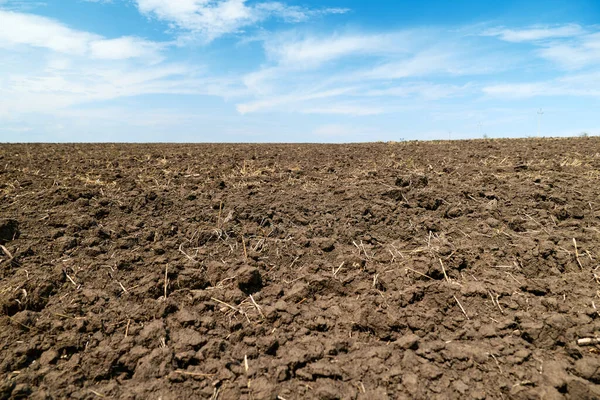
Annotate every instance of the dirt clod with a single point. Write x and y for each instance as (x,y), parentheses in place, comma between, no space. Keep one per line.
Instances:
(249,280)
(9,230)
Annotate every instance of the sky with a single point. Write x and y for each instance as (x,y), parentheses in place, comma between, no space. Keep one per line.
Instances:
(297,70)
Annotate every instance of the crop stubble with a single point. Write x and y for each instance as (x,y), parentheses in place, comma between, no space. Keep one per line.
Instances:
(367,271)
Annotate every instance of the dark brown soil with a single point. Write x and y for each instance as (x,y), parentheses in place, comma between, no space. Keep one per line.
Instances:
(460,270)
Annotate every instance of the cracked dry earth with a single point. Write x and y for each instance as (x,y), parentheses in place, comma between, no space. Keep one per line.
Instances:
(441,270)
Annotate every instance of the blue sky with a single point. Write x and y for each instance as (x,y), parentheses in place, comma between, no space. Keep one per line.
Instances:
(296,70)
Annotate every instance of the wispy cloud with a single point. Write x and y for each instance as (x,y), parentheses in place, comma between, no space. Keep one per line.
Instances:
(49,66)
(209,19)
(32,30)
(575,54)
(426,90)
(125,47)
(360,66)
(324,80)
(21,5)
(21,29)
(569,46)
(535,33)
(581,85)
(348,109)
(294,99)
(311,51)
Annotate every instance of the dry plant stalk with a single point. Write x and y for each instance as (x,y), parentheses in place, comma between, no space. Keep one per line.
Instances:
(71,280)
(166,279)
(123,287)
(219,217)
(444,271)
(461,307)
(419,273)
(5,250)
(577,254)
(495,301)
(97,394)
(189,373)
(336,270)
(244,246)
(127,327)
(257,307)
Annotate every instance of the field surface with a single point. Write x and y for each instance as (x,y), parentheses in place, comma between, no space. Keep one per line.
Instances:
(443,270)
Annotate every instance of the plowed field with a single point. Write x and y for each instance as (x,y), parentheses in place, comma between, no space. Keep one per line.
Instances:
(459,270)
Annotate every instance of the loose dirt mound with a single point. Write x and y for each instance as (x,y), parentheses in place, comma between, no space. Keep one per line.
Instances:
(398,270)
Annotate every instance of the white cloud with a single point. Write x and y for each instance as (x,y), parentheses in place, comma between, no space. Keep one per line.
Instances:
(422,63)
(27,29)
(536,33)
(575,54)
(125,47)
(347,109)
(48,66)
(569,46)
(80,82)
(314,51)
(21,29)
(21,5)
(291,99)
(213,18)
(335,98)
(362,66)
(426,91)
(581,85)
